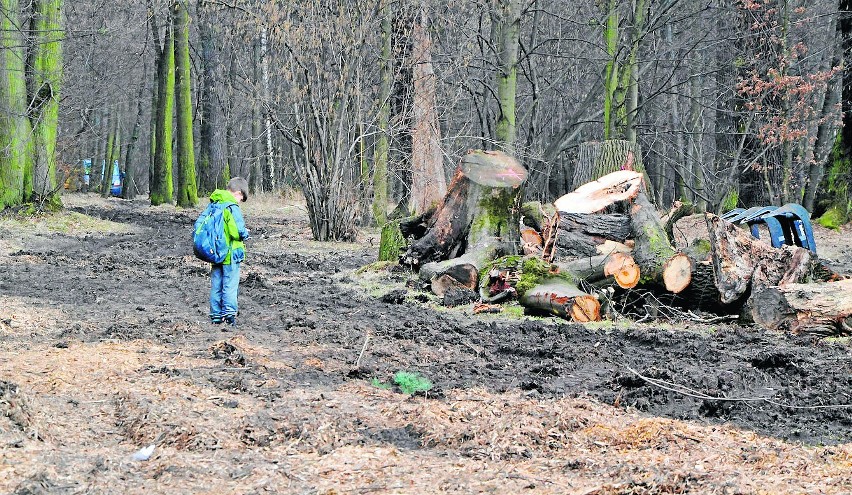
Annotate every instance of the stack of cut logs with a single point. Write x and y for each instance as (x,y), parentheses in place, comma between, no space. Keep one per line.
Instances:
(603,237)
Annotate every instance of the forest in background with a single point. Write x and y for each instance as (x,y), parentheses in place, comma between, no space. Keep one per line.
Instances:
(363,105)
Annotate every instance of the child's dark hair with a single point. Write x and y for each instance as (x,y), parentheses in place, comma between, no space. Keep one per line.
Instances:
(239,184)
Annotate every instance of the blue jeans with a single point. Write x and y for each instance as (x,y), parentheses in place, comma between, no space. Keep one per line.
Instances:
(224,284)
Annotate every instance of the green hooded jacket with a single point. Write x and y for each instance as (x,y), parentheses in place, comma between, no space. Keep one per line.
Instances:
(235,226)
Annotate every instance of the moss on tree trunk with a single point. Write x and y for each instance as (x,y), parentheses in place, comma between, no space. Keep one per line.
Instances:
(187,195)
(45,75)
(393,243)
(162,187)
(14,126)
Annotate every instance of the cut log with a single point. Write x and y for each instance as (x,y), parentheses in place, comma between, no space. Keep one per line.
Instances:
(702,293)
(560,297)
(678,211)
(625,271)
(743,264)
(677,273)
(580,234)
(615,227)
(597,195)
(479,209)
(457,272)
(653,247)
(822,308)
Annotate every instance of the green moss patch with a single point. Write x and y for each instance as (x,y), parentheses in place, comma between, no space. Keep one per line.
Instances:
(833,218)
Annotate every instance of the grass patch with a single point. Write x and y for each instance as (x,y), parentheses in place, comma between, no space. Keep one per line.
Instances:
(408,383)
(411,383)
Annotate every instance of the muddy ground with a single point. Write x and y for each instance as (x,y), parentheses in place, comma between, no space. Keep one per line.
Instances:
(105,348)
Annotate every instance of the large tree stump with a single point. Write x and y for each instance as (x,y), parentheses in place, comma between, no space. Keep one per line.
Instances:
(479,205)
(823,308)
(599,158)
(478,218)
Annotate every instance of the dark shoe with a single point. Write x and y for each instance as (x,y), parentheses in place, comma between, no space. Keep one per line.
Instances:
(230,320)
(216,320)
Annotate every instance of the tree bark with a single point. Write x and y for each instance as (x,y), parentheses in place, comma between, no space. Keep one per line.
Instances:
(44,73)
(580,234)
(212,155)
(14,125)
(822,308)
(187,194)
(380,161)
(476,213)
(428,183)
(162,184)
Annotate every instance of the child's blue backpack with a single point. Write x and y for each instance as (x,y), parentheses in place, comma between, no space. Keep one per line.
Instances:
(209,241)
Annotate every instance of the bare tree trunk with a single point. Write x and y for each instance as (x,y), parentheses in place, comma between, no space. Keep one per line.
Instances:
(187,188)
(268,183)
(212,156)
(111,126)
(256,173)
(162,185)
(129,188)
(14,125)
(507,19)
(44,73)
(597,159)
(428,183)
(829,115)
(380,162)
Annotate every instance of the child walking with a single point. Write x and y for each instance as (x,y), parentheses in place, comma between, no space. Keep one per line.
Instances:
(225,277)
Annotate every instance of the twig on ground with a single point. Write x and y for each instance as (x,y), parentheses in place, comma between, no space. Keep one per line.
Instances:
(363,348)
